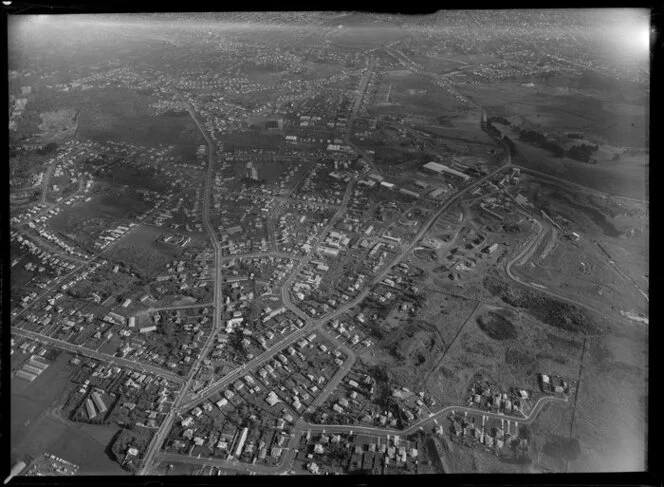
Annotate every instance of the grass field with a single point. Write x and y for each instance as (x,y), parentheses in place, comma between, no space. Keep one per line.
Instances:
(620,180)
(85,222)
(122,115)
(86,446)
(30,401)
(412,94)
(611,420)
(365,37)
(36,428)
(141,251)
(512,359)
(33,397)
(600,113)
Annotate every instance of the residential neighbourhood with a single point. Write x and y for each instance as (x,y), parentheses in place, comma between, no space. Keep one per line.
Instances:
(326,243)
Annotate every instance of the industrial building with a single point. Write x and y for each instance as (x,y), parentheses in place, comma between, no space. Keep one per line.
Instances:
(251,172)
(99,402)
(240,443)
(26,375)
(36,361)
(436,168)
(90,408)
(409,192)
(32,369)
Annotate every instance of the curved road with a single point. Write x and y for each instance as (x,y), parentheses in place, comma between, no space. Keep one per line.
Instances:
(287,459)
(528,249)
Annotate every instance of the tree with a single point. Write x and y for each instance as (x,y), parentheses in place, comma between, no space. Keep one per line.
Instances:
(582,152)
(48,148)
(167,329)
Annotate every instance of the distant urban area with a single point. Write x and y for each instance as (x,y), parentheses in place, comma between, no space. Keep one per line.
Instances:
(326,243)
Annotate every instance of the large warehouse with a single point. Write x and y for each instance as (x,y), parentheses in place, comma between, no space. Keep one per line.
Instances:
(437,168)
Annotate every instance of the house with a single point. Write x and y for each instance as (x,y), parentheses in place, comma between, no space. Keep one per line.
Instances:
(272,398)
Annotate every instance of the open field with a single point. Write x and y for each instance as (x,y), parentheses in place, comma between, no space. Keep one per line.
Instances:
(58,124)
(414,94)
(509,352)
(122,115)
(36,426)
(618,179)
(31,399)
(578,269)
(85,222)
(627,177)
(251,139)
(552,426)
(411,345)
(610,421)
(560,106)
(87,447)
(141,251)
(366,37)
(612,253)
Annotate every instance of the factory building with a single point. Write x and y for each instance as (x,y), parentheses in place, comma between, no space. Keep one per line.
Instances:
(436,168)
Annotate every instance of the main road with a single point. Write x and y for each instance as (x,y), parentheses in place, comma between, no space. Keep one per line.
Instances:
(79,349)
(405,251)
(358,98)
(259,255)
(311,324)
(165,427)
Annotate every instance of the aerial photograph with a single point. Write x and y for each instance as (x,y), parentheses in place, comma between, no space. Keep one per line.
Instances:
(328,242)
